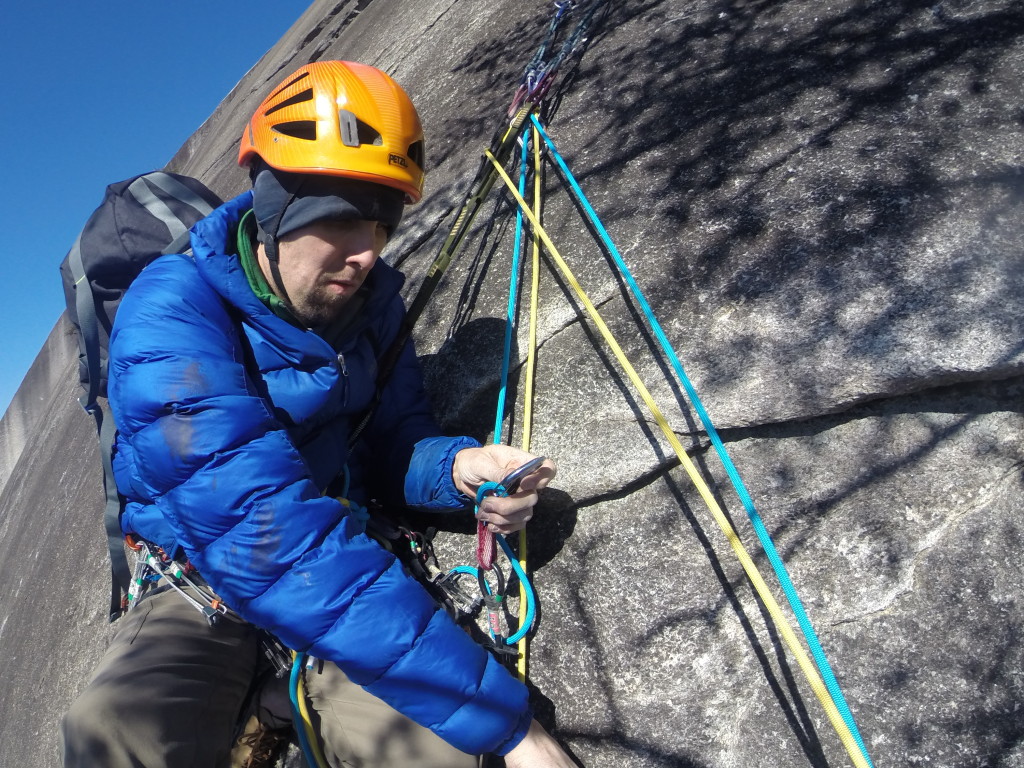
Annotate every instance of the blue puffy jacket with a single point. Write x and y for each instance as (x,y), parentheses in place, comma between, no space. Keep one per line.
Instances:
(226,446)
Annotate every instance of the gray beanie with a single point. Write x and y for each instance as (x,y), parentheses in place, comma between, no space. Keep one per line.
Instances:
(283,202)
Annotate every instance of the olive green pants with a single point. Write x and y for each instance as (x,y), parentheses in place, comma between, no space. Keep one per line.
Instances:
(170,690)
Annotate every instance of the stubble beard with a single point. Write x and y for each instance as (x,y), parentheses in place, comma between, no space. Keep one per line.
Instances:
(319,307)
(322,305)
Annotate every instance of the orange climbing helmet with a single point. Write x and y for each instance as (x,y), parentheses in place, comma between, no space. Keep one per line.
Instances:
(339,118)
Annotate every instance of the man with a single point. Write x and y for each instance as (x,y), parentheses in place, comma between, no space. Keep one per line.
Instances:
(236,377)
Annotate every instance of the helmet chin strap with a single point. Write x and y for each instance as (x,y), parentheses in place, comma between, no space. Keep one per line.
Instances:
(270,247)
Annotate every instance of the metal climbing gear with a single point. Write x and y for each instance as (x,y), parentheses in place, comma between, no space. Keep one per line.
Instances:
(510,482)
(415,550)
(153,565)
(539,74)
(485,547)
(494,597)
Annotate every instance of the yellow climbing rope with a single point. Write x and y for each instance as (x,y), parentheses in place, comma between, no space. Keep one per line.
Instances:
(531,367)
(308,738)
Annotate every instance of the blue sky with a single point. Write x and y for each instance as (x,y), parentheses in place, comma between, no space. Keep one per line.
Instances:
(97,92)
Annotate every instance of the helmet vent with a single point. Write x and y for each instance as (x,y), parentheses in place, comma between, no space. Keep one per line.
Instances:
(298,98)
(416,153)
(299,129)
(288,85)
(354,132)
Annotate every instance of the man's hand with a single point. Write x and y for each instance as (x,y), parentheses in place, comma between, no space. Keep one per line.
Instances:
(538,750)
(475,466)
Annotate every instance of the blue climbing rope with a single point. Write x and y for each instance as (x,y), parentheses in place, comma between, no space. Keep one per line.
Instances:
(513,298)
(303,727)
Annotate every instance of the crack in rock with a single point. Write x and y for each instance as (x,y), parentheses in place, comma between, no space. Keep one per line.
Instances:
(910,583)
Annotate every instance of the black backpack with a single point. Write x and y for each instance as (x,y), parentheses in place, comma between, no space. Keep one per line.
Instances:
(139,219)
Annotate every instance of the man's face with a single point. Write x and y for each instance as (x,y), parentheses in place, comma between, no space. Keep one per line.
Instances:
(323,264)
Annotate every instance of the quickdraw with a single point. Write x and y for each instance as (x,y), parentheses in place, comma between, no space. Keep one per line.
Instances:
(540,72)
(152,565)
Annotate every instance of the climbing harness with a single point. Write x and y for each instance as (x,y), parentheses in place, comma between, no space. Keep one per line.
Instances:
(415,551)
(153,566)
(464,591)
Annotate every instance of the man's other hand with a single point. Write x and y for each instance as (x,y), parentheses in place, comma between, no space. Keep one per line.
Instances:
(538,750)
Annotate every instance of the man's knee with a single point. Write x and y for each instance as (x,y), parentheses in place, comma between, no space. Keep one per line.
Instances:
(87,730)
(359,729)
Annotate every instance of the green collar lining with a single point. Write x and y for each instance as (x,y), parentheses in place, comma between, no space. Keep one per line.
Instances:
(247,255)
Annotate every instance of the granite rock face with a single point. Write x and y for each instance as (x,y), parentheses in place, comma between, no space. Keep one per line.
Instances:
(824,205)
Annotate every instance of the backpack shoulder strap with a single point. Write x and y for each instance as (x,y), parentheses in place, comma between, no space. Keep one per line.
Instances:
(119,571)
(88,324)
(141,190)
(105,429)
